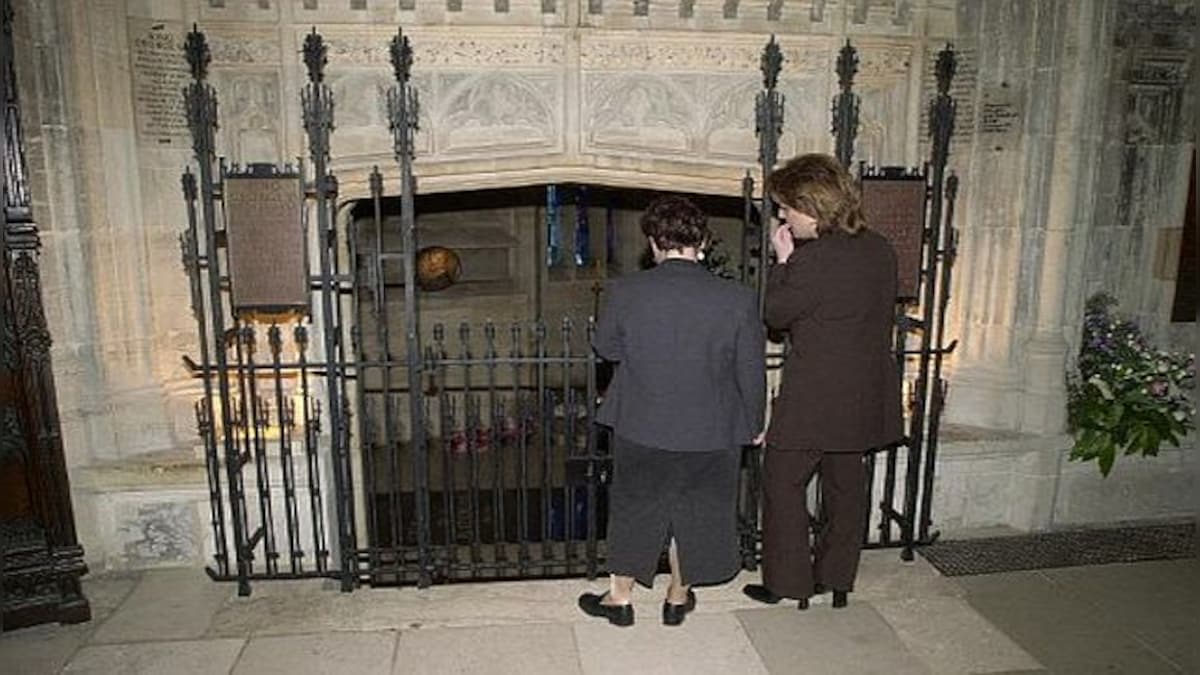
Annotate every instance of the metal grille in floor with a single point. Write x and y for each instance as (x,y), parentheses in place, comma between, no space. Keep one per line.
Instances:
(1062,549)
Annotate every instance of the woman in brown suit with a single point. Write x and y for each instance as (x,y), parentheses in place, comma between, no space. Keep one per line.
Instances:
(835,297)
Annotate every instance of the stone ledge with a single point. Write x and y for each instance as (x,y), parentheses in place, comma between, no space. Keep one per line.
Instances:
(169,469)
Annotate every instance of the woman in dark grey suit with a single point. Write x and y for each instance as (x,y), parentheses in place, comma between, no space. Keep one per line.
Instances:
(835,296)
(689,391)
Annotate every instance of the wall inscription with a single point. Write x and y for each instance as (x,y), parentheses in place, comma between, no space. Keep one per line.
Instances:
(160,73)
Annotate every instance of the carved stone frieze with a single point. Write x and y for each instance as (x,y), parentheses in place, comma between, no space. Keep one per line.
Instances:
(251,115)
(497,110)
(728,126)
(641,112)
(360,114)
(437,51)
(243,47)
(697,54)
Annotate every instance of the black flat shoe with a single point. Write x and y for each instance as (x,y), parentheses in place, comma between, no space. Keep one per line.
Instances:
(839,599)
(761,594)
(673,614)
(617,615)
(802,604)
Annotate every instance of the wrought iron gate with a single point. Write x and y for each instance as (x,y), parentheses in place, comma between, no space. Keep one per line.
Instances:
(476,444)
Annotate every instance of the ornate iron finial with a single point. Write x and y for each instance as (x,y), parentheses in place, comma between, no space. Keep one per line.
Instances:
(195,46)
(771,63)
(402,57)
(847,66)
(314,56)
(845,106)
(947,63)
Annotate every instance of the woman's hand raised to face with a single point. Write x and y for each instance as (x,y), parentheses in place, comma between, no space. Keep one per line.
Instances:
(782,242)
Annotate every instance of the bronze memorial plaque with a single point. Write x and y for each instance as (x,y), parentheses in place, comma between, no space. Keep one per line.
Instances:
(268,271)
(895,208)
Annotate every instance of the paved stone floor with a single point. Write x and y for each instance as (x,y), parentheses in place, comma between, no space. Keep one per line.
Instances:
(904,618)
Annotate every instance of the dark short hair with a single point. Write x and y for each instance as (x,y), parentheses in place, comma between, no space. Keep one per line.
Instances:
(674,222)
(818,186)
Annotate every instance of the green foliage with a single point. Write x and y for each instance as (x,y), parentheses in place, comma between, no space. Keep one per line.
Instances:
(1126,396)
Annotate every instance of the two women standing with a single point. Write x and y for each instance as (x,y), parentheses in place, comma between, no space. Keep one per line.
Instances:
(690,387)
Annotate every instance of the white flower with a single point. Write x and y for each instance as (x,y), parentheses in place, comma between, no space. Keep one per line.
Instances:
(1101,385)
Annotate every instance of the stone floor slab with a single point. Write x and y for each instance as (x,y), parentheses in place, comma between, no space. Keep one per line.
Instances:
(174,604)
(883,575)
(822,640)
(320,654)
(215,657)
(1155,602)
(705,643)
(526,649)
(1067,632)
(41,649)
(951,637)
(107,591)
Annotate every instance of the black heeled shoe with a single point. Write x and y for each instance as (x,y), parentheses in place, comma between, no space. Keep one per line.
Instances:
(765,595)
(617,615)
(761,593)
(673,615)
(840,599)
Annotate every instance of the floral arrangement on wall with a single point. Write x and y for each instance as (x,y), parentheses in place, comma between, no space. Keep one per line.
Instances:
(1125,397)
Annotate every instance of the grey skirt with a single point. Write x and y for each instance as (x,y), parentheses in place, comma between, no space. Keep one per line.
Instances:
(657,494)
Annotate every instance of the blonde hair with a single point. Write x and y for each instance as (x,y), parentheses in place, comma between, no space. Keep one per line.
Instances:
(818,186)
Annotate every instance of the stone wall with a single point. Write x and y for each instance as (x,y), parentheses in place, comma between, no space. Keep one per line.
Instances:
(1075,126)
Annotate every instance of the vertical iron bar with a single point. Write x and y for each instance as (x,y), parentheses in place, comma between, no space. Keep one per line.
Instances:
(845,105)
(241,423)
(593,474)
(391,443)
(471,426)
(367,432)
(941,127)
(402,120)
(568,430)
(201,104)
(495,443)
(312,435)
(947,250)
(546,419)
(317,102)
(521,411)
(446,434)
(768,107)
(283,416)
(190,246)
(254,424)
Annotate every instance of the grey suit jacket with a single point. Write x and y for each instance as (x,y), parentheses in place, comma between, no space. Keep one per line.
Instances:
(690,348)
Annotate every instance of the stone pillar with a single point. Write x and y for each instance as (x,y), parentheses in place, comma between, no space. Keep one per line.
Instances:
(1072,61)
(100,280)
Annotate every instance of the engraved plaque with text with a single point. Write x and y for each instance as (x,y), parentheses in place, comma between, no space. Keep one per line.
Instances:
(268,273)
(895,208)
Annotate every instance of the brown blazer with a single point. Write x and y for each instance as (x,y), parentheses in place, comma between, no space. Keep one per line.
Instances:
(836,298)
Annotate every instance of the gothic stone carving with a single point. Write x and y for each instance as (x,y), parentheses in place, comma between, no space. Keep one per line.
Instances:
(497,110)
(641,112)
(440,51)
(251,115)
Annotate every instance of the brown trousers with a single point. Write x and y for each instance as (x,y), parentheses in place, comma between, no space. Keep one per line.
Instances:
(790,564)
